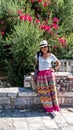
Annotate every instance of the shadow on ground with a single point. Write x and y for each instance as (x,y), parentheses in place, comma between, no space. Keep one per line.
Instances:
(22,113)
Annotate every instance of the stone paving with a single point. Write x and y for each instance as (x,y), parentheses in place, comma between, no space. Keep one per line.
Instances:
(35,120)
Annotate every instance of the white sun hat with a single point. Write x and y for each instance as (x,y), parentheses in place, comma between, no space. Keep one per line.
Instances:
(43,43)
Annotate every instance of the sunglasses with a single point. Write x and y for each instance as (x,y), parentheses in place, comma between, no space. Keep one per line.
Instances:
(44,47)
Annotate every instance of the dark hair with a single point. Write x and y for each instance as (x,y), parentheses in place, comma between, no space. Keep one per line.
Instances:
(49,51)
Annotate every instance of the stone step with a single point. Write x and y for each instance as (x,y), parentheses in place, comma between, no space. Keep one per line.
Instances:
(16,97)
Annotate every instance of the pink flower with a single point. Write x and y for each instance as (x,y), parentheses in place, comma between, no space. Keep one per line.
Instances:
(29,18)
(55,26)
(32,1)
(39,0)
(2,33)
(45,27)
(41,26)
(62,40)
(45,4)
(37,21)
(26,17)
(55,20)
(20,12)
(22,17)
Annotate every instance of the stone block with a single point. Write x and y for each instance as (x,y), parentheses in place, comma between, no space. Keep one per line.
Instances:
(36,100)
(3,94)
(8,107)
(62,101)
(28,94)
(4,100)
(65,94)
(23,101)
(12,95)
(1,107)
(4,90)
(27,81)
(68,101)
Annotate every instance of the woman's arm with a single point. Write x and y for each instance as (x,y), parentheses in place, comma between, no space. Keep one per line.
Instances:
(36,61)
(58,63)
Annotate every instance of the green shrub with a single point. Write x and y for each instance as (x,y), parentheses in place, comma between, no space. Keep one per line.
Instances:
(20,38)
(24,42)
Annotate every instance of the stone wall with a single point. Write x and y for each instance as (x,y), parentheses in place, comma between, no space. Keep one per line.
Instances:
(22,98)
(64,81)
(66,66)
(16,97)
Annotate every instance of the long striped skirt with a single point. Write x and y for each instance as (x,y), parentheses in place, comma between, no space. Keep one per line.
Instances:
(47,90)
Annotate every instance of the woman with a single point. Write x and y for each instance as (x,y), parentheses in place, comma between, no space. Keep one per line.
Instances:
(46,81)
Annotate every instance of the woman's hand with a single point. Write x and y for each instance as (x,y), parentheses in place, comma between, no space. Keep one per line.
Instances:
(52,69)
(56,67)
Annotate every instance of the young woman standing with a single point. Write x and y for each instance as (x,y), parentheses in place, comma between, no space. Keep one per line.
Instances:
(46,86)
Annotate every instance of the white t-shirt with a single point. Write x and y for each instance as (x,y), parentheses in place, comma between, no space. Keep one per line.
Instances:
(46,64)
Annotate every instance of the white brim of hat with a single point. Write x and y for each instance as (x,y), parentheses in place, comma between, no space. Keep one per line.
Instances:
(43,46)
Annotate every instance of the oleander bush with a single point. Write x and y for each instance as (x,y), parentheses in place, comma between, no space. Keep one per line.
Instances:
(23,24)
(23,44)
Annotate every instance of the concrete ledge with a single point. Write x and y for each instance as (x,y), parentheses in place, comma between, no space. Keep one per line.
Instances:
(17,97)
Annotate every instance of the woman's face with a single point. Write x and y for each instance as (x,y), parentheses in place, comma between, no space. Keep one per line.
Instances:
(44,49)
